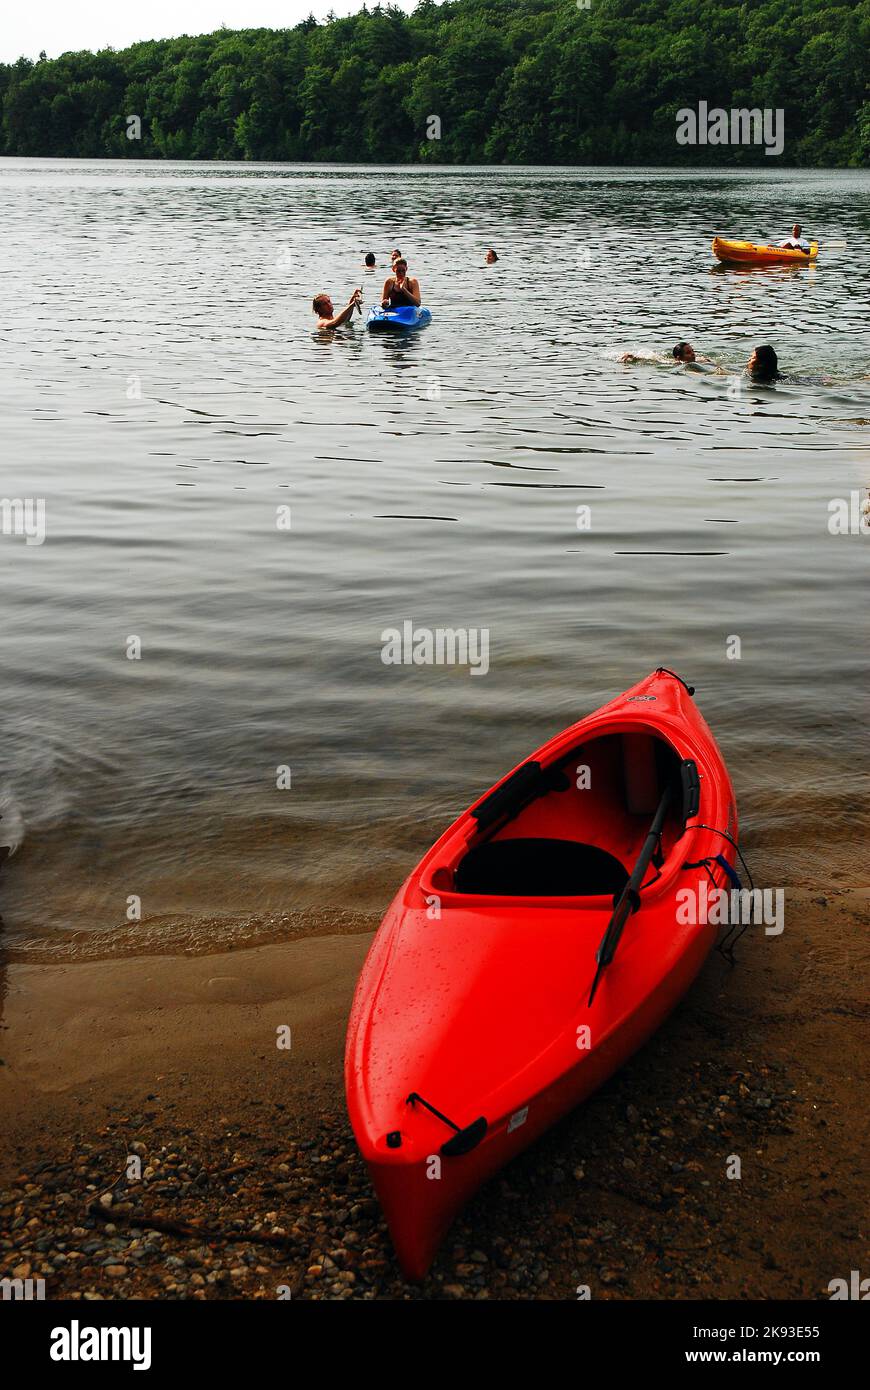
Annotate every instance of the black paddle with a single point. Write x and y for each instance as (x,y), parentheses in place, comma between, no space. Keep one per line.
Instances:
(629,898)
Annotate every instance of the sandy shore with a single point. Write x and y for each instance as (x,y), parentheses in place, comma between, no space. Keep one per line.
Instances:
(251,1182)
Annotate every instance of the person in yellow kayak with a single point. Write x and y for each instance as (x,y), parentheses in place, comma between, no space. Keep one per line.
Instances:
(401,288)
(325,310)
(796,242)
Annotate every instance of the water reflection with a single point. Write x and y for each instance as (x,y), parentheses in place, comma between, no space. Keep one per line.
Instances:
(162,387)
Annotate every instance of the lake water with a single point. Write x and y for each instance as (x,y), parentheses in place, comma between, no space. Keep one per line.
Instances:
(161,387)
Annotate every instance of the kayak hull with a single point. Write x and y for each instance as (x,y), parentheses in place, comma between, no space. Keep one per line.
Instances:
(418,1225)
(401,320)
(748,253)
(477,1002)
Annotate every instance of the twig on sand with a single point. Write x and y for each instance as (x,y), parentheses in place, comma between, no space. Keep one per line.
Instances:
(151,1222)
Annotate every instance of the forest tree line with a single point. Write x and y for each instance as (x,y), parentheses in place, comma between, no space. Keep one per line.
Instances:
(465,82)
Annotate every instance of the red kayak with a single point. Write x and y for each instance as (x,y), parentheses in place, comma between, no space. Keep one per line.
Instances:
(534,948)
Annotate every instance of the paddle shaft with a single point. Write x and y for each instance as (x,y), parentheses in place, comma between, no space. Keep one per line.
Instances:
(627,899)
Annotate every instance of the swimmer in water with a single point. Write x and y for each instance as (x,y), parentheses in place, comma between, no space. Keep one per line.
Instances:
(490,257)
(763,365)
(685,353)
(370,262)
(325,310)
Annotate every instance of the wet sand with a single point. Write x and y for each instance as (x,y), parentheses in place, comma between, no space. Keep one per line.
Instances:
(252,1183)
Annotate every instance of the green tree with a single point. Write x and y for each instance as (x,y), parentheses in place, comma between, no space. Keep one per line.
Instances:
(509,80)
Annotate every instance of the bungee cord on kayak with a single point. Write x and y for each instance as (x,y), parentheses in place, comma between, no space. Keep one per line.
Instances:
(735,931)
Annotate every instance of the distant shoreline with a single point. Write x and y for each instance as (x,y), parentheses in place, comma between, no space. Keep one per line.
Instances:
(732,170)
(538,81)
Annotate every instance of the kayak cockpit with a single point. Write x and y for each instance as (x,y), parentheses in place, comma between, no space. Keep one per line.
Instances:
(572,829)
(528,867)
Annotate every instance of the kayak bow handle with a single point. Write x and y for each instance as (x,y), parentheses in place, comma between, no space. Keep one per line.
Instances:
(464,1140)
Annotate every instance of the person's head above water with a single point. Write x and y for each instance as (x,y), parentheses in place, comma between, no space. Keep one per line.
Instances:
(763,365)
(796,231)
(370,258)
(490,256)
(325,310)
(683,352)
(395,255)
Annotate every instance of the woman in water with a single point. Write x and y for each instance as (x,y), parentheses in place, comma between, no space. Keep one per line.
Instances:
(401,289)
(763,365)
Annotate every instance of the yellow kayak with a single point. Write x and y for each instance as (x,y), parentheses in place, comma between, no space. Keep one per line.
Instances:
(747,253)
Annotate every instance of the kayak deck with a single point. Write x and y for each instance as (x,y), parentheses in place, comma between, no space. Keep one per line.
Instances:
(380,320)
(750,253)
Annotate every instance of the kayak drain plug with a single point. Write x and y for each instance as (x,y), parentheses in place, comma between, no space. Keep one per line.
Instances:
(394,1139)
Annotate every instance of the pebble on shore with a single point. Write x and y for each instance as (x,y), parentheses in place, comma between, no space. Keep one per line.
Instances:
(628,1199)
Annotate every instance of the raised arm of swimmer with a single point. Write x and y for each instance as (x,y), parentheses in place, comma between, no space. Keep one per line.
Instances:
(325,310)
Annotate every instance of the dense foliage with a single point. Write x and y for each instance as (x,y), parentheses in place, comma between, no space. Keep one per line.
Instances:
(516,81)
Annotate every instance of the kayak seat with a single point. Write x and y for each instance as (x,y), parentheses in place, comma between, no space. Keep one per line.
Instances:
(538,868)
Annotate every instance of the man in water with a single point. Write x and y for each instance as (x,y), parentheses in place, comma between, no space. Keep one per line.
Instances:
(401,289)
(763,365)
(796,242)
(370,260)
(325,311)
(490,257)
